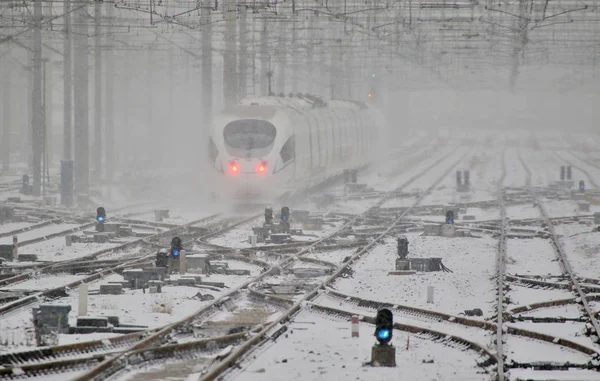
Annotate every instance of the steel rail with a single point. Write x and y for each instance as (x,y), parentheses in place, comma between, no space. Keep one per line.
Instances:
(501,269)
(105,367)
(558,248)
(237,354)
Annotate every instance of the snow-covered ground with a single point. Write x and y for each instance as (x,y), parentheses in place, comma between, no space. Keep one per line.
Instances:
(239,237)
(134,307)
(522,349)
(12,226)
(469,286)
(477,335)
(531,257)
(522,211)
(582,253)
(177,215)
(573,331)
(36,233)
(45,282)
(319,347)
(522,295)
(542,375)
(55,249)
(334,355)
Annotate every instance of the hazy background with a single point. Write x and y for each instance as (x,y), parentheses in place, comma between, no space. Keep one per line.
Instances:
(158,70)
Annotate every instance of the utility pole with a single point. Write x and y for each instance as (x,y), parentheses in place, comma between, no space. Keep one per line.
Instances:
(68,85)
(6,114)
(295,65)
(48,114)
(109,111)
(230,62)
(36,100)
(125,80)
(171,81)
(28,151)
(264,58)
(327,75)
(310,48)
(243,56)
(81,94)
(522,37)
(48,75)
(337,69)
(97,92)
(310,67)
(150,124)
(44,124)
(207,84)
(281,56)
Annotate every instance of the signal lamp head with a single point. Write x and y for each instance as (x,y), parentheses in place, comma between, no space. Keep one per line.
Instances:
(261,168)
(450,217)
(176,246)
(370,95)
(101,214)
(234,168)
(285,214)
(384,324)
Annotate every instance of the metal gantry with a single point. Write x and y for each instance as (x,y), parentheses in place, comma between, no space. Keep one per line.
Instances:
(175,63)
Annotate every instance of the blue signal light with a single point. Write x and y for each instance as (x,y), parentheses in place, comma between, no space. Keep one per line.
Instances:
(100,219)
(175,252)
(25,182)
(450,221)
(384,334)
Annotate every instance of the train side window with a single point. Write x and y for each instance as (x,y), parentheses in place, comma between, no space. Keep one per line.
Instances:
(288,151)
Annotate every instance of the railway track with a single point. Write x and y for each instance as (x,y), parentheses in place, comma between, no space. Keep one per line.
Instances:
(573,282)
(108,358)
(448,320)
(563,257)
(85,354)
(111,268)
(501,276)
(112,365)
(316,243)
(216,371)
(426,333)
(54,267)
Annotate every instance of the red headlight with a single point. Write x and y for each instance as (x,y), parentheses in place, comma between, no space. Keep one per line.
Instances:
(261,168)
(234,168)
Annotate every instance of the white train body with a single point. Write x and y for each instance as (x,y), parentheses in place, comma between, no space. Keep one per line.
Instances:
(267,146)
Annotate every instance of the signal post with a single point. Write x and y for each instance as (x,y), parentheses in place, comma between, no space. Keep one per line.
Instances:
(383,353)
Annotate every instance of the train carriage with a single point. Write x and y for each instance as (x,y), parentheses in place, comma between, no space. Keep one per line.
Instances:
(266,146)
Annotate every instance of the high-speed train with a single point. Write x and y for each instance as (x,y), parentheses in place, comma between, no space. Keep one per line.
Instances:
(266,146)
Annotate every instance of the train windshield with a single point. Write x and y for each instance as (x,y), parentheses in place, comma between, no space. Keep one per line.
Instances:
(249,134)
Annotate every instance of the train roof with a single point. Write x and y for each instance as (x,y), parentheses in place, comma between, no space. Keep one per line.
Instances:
(251,112)
(271,103)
